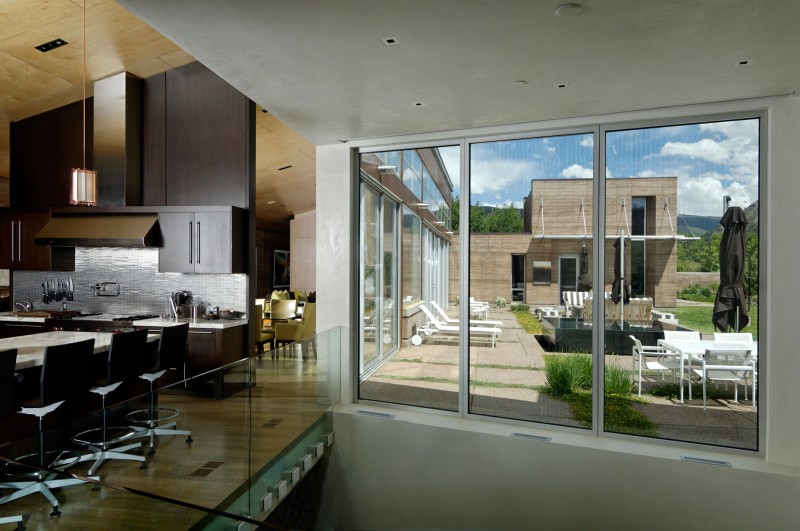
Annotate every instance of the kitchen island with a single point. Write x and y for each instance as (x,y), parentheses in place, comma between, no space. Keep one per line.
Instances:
(210,344)
(31,347)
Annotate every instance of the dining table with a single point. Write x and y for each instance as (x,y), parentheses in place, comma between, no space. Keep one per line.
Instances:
(693,350)
(31,347)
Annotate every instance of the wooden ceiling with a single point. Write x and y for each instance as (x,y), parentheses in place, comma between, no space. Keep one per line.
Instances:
(33,82)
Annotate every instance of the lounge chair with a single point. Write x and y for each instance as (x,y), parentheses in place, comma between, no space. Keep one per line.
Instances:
(573,300)
(479,309)
(450,320)
(433,325)
(664,360)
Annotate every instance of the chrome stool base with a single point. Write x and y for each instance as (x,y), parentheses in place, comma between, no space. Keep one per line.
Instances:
(44,480)
(103,450)
(148,423)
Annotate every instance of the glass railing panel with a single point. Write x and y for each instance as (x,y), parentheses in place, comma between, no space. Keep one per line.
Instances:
(250,422)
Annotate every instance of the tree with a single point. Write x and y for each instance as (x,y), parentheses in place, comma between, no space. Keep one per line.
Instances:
(501,219)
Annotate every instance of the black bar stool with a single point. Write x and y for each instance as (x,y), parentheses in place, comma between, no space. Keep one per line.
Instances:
(64,376)
(9,388)
(122,364)
(171,355)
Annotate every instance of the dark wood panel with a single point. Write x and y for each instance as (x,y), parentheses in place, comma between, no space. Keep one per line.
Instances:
(44,148)
(154,133)
(207,139)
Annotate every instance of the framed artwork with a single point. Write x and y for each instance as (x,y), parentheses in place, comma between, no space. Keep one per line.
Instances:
(541,271)
(280,270)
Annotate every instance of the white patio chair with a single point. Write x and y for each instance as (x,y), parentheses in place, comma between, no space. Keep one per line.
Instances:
(664,360)
(446,319)
(479,309)
(727,366)
(733,337)
(433,325)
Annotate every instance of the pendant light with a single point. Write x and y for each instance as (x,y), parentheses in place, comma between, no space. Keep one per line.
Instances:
(83,185)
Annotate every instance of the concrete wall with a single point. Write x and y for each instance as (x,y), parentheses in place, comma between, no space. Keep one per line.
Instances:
(425,470)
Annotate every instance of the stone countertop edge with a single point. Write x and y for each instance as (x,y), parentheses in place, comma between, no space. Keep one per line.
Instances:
(199,323)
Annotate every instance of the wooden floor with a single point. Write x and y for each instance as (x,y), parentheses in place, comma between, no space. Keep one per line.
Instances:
(205,472)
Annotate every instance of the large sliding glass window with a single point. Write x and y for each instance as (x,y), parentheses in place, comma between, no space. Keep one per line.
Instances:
(619,299)
(670,191)
(527,205)
(414,359)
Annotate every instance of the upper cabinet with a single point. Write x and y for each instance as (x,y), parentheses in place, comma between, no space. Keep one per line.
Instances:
(44,149)
(199,140)
(204,240)
(17,249)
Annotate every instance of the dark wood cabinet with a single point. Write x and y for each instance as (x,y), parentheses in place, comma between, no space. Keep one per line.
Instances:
(210,348)
(44,149)
(202,241)
(19,252)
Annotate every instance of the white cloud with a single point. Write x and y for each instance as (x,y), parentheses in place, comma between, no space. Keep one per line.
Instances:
(550,149)
(576,171)
(503,175)
(587,141)
(706,149)
(647,173)
(703,195)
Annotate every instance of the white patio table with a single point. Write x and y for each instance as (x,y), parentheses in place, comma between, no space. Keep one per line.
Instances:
(695,350)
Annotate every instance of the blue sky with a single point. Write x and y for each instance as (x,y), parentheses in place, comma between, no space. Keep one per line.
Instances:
(710,160)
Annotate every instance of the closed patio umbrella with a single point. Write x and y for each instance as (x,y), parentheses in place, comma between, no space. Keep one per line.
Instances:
(584,278)
(619,256)
(730,301)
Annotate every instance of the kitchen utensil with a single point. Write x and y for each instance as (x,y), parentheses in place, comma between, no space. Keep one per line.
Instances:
(229,314)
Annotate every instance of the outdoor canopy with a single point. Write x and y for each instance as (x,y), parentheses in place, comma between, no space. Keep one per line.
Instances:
(730,300)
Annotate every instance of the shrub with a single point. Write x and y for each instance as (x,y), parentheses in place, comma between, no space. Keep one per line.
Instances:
(566,374)
(698,293)
(518,307)
(618,380)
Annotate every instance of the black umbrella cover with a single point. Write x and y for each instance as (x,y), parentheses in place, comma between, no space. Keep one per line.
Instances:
(584,278)
(730,295)
(615,296)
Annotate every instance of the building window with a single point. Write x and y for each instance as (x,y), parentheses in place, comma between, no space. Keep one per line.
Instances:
(623,257)
(416,259)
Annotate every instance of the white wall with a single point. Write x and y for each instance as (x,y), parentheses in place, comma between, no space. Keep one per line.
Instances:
(303,252)
(428,470)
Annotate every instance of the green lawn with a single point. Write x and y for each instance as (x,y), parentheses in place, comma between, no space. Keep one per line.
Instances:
(699,318)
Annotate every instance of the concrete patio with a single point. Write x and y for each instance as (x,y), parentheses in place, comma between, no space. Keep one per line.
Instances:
(506,381)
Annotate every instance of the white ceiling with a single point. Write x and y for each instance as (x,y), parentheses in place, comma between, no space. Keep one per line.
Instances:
(321,67)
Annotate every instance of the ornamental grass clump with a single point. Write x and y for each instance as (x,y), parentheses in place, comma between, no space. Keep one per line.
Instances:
(567,374)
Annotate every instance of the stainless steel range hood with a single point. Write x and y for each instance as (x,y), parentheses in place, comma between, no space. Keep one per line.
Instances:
(101,230)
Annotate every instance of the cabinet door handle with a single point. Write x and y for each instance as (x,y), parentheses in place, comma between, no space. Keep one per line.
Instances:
(199,332)
(24,325)
(19,241)
(12,239)
(198,242)
(191,248)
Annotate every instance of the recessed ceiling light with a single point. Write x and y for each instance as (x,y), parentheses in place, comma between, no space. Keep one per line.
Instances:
(744,62)
(520,83)
(419,104)
(569,10)
(562,85)
(52,45)
(389,41)
(284,167)
(270,202)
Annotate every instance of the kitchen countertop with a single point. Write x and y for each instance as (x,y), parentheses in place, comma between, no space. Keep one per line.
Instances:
(199,323)
(30,348)
(157,321)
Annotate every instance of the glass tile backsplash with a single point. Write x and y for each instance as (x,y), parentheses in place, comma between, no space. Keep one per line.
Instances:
(143,290)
